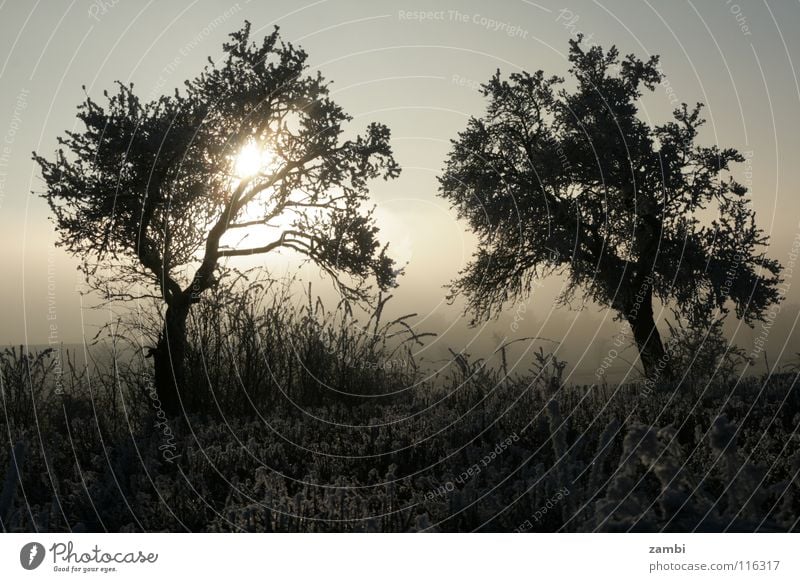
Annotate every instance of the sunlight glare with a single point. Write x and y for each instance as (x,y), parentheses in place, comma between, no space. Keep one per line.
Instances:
(252,159)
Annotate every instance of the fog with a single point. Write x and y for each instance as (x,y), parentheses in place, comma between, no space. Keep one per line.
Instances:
(417,72)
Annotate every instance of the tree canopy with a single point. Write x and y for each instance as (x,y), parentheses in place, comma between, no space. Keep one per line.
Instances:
(155,181)
(145,192)
(560,179)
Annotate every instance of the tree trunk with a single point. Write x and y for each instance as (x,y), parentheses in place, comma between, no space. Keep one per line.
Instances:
(169,359)
(655,359)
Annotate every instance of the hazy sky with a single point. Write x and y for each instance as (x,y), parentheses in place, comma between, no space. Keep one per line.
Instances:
(419,76)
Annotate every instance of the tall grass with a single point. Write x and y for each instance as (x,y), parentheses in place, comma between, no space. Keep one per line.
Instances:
(317,419)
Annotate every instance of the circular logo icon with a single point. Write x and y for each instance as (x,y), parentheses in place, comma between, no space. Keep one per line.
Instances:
(31,555)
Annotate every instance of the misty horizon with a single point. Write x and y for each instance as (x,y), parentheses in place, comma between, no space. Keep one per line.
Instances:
(418,72)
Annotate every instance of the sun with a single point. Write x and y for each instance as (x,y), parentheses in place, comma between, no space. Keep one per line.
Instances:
(252,159)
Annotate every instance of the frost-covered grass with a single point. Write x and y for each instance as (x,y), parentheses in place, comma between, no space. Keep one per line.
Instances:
(303,429)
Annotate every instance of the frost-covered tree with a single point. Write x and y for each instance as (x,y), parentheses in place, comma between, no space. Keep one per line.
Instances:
(568,179)
(145,192)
